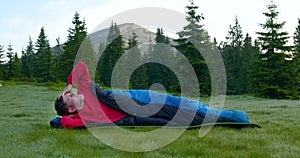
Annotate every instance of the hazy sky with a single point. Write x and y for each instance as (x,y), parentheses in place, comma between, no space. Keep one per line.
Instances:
(20,19)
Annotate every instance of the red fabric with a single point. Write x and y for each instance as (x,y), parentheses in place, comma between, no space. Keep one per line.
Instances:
(71,122)
(93,110)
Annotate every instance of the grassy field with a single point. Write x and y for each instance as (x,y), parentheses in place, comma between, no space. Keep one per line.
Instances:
(25,131)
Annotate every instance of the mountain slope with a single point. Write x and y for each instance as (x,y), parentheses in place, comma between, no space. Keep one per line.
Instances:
(143,35)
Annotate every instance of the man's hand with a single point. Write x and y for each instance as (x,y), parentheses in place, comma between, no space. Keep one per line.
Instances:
(67,89)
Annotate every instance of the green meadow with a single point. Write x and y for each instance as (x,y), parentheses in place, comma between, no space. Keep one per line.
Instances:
(25,131)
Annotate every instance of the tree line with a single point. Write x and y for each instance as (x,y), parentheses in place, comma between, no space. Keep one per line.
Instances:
(265,67)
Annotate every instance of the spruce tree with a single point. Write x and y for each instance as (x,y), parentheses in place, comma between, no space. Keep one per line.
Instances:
(16,67)
(232,52)
(9,74)
(160,37)
(247,57)
(110,56)
(75,37)
(138,78)
(57,52)
(275,77)
(99,52)
(27,60)
(164,55)
(2,55)
(43,62)
(297,52)
(100,49)
(297,42)
(194,36)
(86,54)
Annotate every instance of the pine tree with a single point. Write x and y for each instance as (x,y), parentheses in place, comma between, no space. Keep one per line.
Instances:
(164,56)
(27,60)
(192,37)
(297,52)
(160,37)
(275,74)
(235,34)
(113,33)
(16,67)
(9,74)
(138,78)
(57,53)
(75,37)
(247,57)
(43,62)
(232,52)
(2,55)
(297,41)
(110,56)
(87,55)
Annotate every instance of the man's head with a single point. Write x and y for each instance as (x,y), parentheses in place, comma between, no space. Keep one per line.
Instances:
(68,104)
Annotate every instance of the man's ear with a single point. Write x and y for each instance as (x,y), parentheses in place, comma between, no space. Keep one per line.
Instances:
(72,109)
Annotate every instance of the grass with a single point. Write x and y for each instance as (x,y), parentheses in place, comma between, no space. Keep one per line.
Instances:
(25,131)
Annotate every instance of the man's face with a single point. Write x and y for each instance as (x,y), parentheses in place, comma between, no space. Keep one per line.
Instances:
(75,102)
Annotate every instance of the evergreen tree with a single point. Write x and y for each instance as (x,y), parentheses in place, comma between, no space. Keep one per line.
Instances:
(87,55)
(235,34)
(58,49)
(113,33)
(160,37)
(132,41)
(57,53)
(101,48)
(9,74)
(253,65)
(163,54)
(297,52)
(150,48)
(297,42)
(247,57)
(27,59)
(110,56)
(275,77)
(192,37)
(2,55)
(232,53)
(138,79)
(43,62)
(16,67)
(75,37)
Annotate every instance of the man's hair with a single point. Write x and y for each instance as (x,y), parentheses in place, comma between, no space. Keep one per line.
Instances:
(60,107)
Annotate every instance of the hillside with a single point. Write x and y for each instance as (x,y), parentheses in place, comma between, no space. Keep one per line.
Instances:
(143,35)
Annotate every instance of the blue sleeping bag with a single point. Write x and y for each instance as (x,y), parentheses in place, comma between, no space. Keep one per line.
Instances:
(153,97)
(165,106)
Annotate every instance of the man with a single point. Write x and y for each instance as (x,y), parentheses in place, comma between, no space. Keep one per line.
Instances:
(83,108)
(92,106)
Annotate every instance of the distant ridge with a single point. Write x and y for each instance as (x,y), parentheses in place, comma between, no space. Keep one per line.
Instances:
(143,35)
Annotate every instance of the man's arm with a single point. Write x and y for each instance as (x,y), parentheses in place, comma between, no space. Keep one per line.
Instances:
(68,88)
(78,71)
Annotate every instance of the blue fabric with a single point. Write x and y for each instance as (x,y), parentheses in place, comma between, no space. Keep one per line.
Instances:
(153,97)
(55,123)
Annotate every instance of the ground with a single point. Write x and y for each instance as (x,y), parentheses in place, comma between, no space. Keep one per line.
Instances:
(25,131)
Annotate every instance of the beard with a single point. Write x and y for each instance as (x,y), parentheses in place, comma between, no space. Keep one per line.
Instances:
(80,102)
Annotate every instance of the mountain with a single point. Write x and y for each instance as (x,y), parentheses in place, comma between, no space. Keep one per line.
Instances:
(126,29)
(143,35)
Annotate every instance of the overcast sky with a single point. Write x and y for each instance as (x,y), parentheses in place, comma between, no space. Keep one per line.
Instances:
(20,19)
